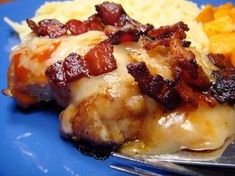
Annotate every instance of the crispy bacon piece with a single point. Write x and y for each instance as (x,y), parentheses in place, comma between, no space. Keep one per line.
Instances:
(77,27)
(219,60)
(110,18)
(163,91)
(192,74)
(110,13)
(48,27)
(164,35)
(126,33)
(168,93)
(188,69)
(97,61)
(100,59)
(74,67)
(123,35)
(187,94)
(224,87)
(94,23)
(173,37)
(176,30)
(57,82)
(119,26)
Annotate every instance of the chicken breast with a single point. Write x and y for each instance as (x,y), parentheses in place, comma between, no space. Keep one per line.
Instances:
(125,82)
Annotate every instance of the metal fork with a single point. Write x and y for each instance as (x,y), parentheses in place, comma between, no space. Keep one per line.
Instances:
(143,168)
(182,164)
(133,170)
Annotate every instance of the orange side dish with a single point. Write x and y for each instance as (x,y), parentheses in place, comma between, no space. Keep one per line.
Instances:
(219,25)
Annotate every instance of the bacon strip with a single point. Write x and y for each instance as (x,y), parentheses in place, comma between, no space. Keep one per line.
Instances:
(173,37)
(77,27)
(219,60)
(97,61)
(124,28)
(189,78)
(163,91)
(48,27)
(110,18)
(168,93)
(100,59)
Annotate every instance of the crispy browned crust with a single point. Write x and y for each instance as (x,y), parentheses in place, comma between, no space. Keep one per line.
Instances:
(105,119)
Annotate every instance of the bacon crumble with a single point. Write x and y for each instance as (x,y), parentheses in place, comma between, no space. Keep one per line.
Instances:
(48,27)
(124,28)
(168,93)
(110,18)
(219,60)
(190,84)
(77,27)
(97,61)
(100,59)
(190,81)
(163,91)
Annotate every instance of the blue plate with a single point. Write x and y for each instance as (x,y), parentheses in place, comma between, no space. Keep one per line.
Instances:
(30,143)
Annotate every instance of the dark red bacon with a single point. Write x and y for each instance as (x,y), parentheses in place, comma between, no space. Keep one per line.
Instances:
(124,28)
(48,27)
(57,82)
(94,23)
(77,27)
(163,91)
(100,59)
(219,60)
(74,67)
(168,93)
(172,37)
(110,13)
(110,18)
(176,30)
(97,61)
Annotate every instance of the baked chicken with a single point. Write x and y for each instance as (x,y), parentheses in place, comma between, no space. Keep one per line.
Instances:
(120,80)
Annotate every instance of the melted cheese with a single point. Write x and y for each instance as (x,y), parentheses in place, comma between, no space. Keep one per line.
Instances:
(80,44)
(202,129)
(87,86)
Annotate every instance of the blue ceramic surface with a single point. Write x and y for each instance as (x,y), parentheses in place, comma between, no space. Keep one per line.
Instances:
(30,143)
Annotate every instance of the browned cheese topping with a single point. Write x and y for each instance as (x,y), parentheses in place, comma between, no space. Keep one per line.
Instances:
(190,84)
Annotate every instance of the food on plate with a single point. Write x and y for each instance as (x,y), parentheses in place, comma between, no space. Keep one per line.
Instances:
(219,25)
(125,82)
